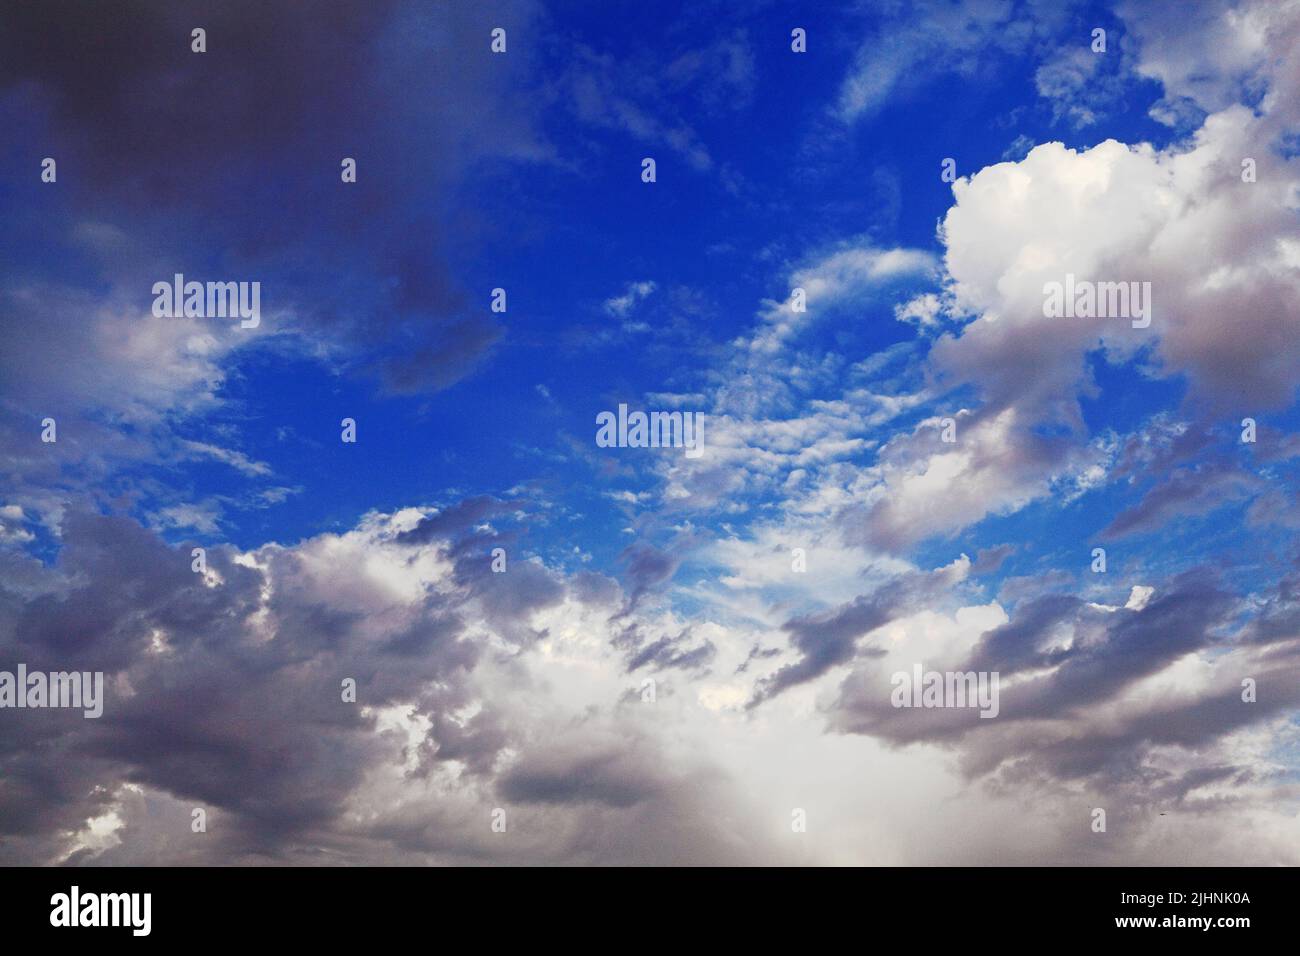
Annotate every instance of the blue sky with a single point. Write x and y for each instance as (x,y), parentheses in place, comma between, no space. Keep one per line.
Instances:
(775,170)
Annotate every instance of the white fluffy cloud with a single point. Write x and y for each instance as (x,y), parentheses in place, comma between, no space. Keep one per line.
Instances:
(1221,256)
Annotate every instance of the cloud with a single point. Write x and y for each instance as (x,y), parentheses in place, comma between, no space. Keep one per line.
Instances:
(11,526)
(228,456)
(915,43)
(923,310)
(455,519)
(1219,54)
(621,305)
(996,464)
(592,87)
(1181,220)
(829,281)
(108,110)
(1198,490)
(827,639)
(523,690)
(582,769)
(224,693)
(1080,84)
(648,566)
(1069,709)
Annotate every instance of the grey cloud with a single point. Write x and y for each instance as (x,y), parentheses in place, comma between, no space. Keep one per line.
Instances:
(283,94)
(1192,491)
(829,638)
(1047,724)
(227,696)
(459,517)
(664,652)
(990,560)
(216,714)
(647,567)
(1016,645)
(612,776)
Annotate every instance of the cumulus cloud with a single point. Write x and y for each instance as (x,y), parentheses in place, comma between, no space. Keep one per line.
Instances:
(1182,220)
(224,692)
(460,712)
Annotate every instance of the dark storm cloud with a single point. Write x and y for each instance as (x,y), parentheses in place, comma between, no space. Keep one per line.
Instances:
(1017,644)
(1188,491)
(679,650)
(509,598)
(475,741)
(228,161)
(588,792)
(647,567)
(225,693)
(1045,725)
(829,638)
(1278,617)
(490,565)
(1117,755)
(432,629)
(1135,644)
(122,78)
(1108,651)
(592,587)
(125,576)
(241,716)
(461,516)
(614,777)
(666,652)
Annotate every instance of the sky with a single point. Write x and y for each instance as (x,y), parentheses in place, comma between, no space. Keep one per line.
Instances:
(569,654)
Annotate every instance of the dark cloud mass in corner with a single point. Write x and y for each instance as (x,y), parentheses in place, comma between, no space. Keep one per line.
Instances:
(227,164)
